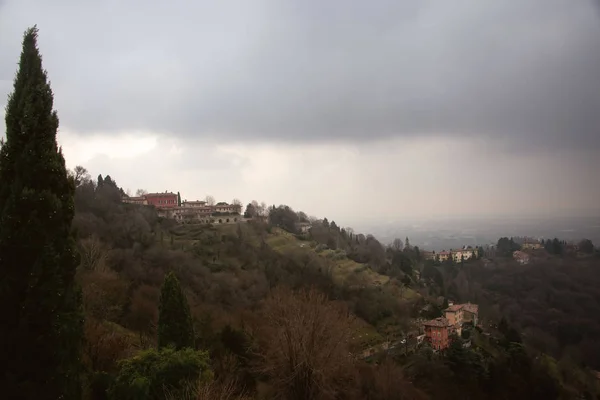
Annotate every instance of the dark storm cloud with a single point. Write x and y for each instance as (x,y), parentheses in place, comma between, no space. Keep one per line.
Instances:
(524,71)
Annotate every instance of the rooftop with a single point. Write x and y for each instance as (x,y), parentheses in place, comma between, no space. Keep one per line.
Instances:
(454,307)
(472,308)
(438,322)
(159,194)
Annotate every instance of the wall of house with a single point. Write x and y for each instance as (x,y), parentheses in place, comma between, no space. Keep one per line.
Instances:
(455,317)
(469,317)
(164,201)
(437,337)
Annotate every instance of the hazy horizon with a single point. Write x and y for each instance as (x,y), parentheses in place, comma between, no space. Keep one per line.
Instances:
(451,233)
(393,110)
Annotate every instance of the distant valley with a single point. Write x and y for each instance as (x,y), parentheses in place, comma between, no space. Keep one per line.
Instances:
(451,233)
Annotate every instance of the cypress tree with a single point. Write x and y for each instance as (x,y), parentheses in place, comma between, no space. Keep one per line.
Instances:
(175,326)
(40,306)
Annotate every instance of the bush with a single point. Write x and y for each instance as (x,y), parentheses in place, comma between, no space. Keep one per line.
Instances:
(320,248)
(153,373)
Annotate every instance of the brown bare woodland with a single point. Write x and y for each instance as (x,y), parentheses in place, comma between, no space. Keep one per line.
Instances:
(304,345)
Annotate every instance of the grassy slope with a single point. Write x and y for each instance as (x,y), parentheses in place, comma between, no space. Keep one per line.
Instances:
(280,241)
(344,270)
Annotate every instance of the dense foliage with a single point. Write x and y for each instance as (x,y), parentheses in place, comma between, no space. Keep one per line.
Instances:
(154,374)
(175,326)
(40,318)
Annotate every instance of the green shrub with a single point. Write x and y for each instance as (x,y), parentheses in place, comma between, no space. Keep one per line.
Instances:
(153,373)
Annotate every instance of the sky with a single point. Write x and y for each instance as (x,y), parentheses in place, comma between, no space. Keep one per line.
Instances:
(345,109)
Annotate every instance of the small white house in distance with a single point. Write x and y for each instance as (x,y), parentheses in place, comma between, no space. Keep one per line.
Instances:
(303,227)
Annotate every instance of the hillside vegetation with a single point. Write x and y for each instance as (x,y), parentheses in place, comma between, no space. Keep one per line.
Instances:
(231,274)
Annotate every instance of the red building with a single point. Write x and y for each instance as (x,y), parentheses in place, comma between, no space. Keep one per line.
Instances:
(162,200)
(437,333)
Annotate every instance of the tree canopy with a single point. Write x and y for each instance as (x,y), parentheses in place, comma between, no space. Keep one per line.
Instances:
(40,306)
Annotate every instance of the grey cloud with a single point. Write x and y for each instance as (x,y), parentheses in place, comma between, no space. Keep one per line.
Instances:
(527,72)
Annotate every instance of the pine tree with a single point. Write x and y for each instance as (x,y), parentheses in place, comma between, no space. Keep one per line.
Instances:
(178,199)
(41,319)
(175,326)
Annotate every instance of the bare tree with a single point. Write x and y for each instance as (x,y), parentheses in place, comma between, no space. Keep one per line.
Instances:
(304,345)
(386,381)
(397,244)
(92,254)
(263,210)
(236,202)
(302,217)
(256,207)
(80,175)
(210,200)
(141,192)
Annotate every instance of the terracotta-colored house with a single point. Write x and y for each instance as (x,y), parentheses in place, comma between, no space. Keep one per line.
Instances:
(458,314)
(437,333)
(162,200)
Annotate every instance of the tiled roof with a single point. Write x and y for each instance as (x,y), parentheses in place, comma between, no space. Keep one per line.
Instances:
(454,307)
(160,194)
(472,308)
(438,322)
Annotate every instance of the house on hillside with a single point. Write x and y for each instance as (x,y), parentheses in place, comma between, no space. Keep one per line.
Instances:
(437,333)
(194,204)
(302,227)
(162,200)
(140,201)
(531,244)
(521,257)
(224,208)
(443,255)
(459,255)
(454,316)
(458,314)
(471,313)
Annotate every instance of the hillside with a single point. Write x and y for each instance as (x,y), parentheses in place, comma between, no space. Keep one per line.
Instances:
(237,279)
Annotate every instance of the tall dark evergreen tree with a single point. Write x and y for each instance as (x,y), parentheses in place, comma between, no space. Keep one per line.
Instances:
(175,325)
(178,199)
(40,306)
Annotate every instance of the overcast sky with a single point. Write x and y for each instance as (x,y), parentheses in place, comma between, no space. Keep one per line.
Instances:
(352,110)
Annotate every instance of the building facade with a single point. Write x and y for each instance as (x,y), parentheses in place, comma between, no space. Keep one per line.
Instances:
(162,200)
(454,315)
(459,255)
(471,313)
(140,201)
(437,333)
(303,227)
